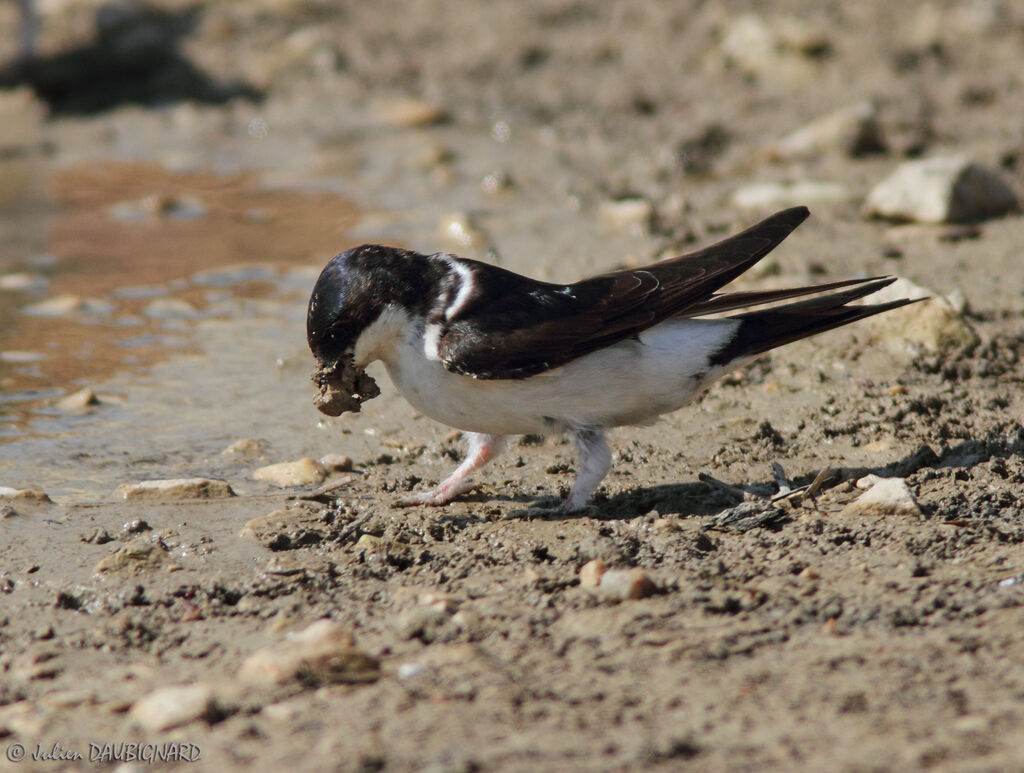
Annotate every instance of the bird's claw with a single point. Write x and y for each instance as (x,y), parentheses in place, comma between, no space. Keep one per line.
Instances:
(433,498)
(427,498)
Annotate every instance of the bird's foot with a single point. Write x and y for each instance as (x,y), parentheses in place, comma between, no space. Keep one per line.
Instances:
(436,497)
(578,510)
(482,448)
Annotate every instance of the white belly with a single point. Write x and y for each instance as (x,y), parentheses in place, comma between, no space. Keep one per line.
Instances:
(632,382)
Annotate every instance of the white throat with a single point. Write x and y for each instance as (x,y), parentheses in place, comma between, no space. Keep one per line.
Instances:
(379,341)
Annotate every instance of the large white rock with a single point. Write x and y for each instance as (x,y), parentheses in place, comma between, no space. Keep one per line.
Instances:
(944,189)
(169,707)
(884,496)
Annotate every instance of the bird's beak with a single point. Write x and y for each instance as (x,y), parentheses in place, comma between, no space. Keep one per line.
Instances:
(342,386)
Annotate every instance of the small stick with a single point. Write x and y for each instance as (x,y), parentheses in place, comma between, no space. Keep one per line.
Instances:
(818,481)
(739,493)
(780,478)
(327,488)
(790,493)
(353,527)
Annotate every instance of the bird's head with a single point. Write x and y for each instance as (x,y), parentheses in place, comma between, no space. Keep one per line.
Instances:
(353,291)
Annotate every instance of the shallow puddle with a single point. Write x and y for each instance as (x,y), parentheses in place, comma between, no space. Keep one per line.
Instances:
(130,257)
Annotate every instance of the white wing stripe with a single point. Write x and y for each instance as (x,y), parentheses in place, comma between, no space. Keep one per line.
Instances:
(466,287)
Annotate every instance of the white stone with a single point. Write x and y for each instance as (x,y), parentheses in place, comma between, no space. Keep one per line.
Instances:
(884,496)
(169,707)
(944,189)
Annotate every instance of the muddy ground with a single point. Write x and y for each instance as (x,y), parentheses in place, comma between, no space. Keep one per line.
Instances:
(173,178)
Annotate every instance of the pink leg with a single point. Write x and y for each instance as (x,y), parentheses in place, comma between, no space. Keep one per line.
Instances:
(482,448)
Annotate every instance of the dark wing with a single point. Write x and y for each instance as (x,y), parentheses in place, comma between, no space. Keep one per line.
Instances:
(510,326)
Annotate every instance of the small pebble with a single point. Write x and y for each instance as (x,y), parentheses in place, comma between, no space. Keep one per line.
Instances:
(246,447)
(409,670)
(323,653)
(26,495)
(136,526)
(174,489)
(302,472)
(136,556)
(590,574)
(411,113)
(282,528)
(623,584)
(99,536)
(336,462)
(78,401)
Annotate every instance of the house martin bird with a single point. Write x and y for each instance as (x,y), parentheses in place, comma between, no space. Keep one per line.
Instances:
(494,353)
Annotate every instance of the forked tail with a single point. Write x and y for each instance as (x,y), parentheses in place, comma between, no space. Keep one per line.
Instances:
(762,330)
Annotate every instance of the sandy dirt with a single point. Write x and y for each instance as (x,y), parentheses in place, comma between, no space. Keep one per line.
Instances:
(184,200)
